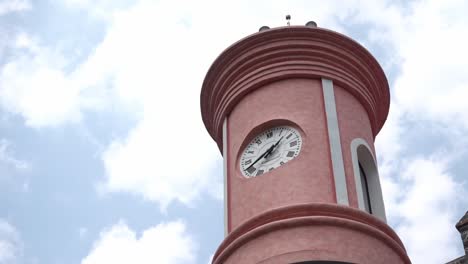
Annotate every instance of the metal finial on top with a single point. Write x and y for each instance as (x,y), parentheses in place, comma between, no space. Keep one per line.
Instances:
(288,18)
(311,24)
(263,28)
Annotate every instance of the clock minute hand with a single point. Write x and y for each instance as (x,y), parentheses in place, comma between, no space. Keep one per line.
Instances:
(266,153)
(274,146)
(261,156)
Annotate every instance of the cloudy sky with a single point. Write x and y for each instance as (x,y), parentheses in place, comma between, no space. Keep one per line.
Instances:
(97,98)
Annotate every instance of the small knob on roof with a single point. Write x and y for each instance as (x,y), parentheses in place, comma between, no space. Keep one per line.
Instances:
(263,28)
(311,24)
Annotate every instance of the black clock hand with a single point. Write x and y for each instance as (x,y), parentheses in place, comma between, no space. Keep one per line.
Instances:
(274,147)
(261,156)
(266,153)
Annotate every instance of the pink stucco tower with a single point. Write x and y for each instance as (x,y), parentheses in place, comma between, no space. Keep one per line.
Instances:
(295,111)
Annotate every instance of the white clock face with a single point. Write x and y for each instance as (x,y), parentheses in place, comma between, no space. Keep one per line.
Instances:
(269,150)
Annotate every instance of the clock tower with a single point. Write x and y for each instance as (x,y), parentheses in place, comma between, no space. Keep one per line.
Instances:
(295,111)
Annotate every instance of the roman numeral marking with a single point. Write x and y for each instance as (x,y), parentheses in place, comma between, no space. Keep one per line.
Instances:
(251,170)
(292,144)
(289,136)
(260,172)
(290,154)
(269,134)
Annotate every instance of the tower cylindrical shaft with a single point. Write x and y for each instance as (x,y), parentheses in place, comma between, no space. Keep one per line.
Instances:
(325,203)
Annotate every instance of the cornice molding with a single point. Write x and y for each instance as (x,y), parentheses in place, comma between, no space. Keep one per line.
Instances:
(292,52)
(316,214)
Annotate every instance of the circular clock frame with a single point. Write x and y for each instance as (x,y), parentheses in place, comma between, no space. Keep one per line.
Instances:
(270,149)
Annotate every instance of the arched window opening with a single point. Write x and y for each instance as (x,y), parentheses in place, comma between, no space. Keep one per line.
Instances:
(366,176)
(365,189)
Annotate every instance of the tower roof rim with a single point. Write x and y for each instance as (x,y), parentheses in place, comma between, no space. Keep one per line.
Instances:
(220,91)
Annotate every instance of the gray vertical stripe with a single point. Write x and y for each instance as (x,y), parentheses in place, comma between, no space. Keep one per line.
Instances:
(225,162)
(335,142)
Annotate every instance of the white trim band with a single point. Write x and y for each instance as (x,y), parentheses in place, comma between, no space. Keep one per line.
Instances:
(335,142)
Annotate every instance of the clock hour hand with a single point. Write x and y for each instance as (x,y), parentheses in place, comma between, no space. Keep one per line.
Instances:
(274,147)
(268,151)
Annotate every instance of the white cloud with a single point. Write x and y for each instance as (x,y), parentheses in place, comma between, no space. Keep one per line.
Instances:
(169,155)
(426,41)
(434,79)
(8,6)
(426,211)
(421,199)
(389,138)
(101,9)
(7,158)
(138,65)
(155,162)
(166,243)
(10,243)
(35,85)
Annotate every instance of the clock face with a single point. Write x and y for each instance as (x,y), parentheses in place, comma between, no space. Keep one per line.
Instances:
(269,150)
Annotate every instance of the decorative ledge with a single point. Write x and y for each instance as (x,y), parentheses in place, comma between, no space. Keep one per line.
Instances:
(292,52)
(316,214)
